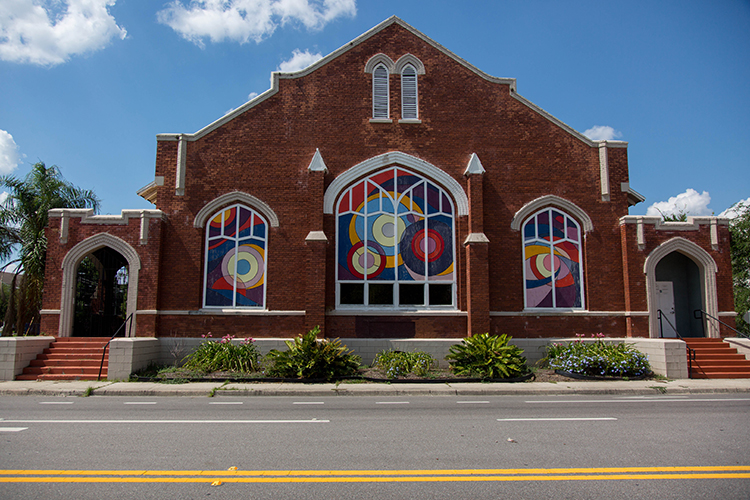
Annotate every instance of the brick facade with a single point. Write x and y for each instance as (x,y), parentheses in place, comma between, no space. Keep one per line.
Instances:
(267,149)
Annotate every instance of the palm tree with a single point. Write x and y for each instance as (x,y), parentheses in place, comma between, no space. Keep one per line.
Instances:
(23,217)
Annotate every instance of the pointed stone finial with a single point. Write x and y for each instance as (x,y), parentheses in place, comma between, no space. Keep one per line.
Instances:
(317,164)
(474,166)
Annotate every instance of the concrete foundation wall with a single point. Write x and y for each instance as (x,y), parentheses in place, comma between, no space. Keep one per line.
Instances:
(742,345)
(17,352)
(131,354)
(667,356)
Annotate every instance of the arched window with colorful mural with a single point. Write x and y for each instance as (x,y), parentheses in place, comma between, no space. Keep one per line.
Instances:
(395,243)
(236,246)
(553,265)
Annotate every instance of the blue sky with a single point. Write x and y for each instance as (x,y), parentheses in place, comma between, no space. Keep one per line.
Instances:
(87,84)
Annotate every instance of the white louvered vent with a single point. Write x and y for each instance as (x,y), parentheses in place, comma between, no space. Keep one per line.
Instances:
(380,92)
(409,99)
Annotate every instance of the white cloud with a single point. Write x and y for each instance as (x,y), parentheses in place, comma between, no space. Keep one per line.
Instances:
(732,212)
(252,95)
(245,20)
(300,60)
(3,197)
(602,133)
(690,202)
(9,157)
(48,32)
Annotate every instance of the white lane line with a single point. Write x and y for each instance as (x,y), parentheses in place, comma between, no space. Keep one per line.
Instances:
(308,403)
(12,429)
(391,402)
(55,402)
(472,402)
(556,419)
(631,401)
(310,421)
(140,403)
(225,403)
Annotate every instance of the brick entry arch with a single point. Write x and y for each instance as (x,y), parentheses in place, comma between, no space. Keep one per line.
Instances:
(70,264)
(707,268)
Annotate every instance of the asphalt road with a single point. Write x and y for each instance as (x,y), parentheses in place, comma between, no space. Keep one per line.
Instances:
(375,447)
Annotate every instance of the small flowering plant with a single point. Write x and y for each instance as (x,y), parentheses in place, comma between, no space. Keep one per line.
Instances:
(598,358)
(224,355)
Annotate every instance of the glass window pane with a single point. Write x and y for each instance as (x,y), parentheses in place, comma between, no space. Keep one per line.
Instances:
(380,294)
(441,295)
(411,294)
(352,293)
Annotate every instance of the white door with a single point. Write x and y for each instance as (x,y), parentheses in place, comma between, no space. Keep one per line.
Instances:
(665,302)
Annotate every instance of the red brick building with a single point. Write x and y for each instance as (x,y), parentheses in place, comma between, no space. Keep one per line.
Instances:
(391,189)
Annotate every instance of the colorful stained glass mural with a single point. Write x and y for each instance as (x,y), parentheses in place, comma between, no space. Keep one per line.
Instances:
(394,228)
(552,261)
(235,259)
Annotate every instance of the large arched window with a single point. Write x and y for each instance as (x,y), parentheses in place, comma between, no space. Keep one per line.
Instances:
(553,270)
(395,242)
(235,270)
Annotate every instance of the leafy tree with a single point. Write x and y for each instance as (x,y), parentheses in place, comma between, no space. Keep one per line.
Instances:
(739,228)
(23,217)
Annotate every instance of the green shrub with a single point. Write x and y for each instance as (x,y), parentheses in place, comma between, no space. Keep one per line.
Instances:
(488,357)
(397,363)
(310,358)
(222,355)
(598,358)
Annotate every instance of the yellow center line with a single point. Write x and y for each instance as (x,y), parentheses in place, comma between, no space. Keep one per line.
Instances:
(401,479)
(415,472)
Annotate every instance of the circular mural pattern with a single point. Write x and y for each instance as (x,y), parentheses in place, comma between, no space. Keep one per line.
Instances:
(433,246)
(368,261)
(387,229)
(246,264)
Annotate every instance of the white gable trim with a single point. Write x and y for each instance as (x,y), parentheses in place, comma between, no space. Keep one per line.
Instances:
(398,158)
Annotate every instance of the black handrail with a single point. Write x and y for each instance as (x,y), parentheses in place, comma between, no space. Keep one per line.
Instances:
(698,313)
(104,351)
(690,350)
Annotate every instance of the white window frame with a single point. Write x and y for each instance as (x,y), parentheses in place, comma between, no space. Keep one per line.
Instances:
(378,95)
(237,239)
(579,242)
(406,85)
(396,306)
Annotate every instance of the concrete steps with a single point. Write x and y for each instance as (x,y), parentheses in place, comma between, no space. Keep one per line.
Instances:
(715,358)
(69,358)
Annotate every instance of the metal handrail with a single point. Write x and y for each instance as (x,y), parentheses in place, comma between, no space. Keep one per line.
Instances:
(104,351)
(698,313)
(690,350)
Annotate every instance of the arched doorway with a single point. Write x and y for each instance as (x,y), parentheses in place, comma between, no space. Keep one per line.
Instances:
(107,247)
(690,272)
(678,283)
(101,294)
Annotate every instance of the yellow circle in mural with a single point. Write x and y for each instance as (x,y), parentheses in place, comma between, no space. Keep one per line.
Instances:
(387,230)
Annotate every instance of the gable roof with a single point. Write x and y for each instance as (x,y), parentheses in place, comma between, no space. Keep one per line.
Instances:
(278,75)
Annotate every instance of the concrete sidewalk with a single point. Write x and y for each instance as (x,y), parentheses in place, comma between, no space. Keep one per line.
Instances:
(221,389)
